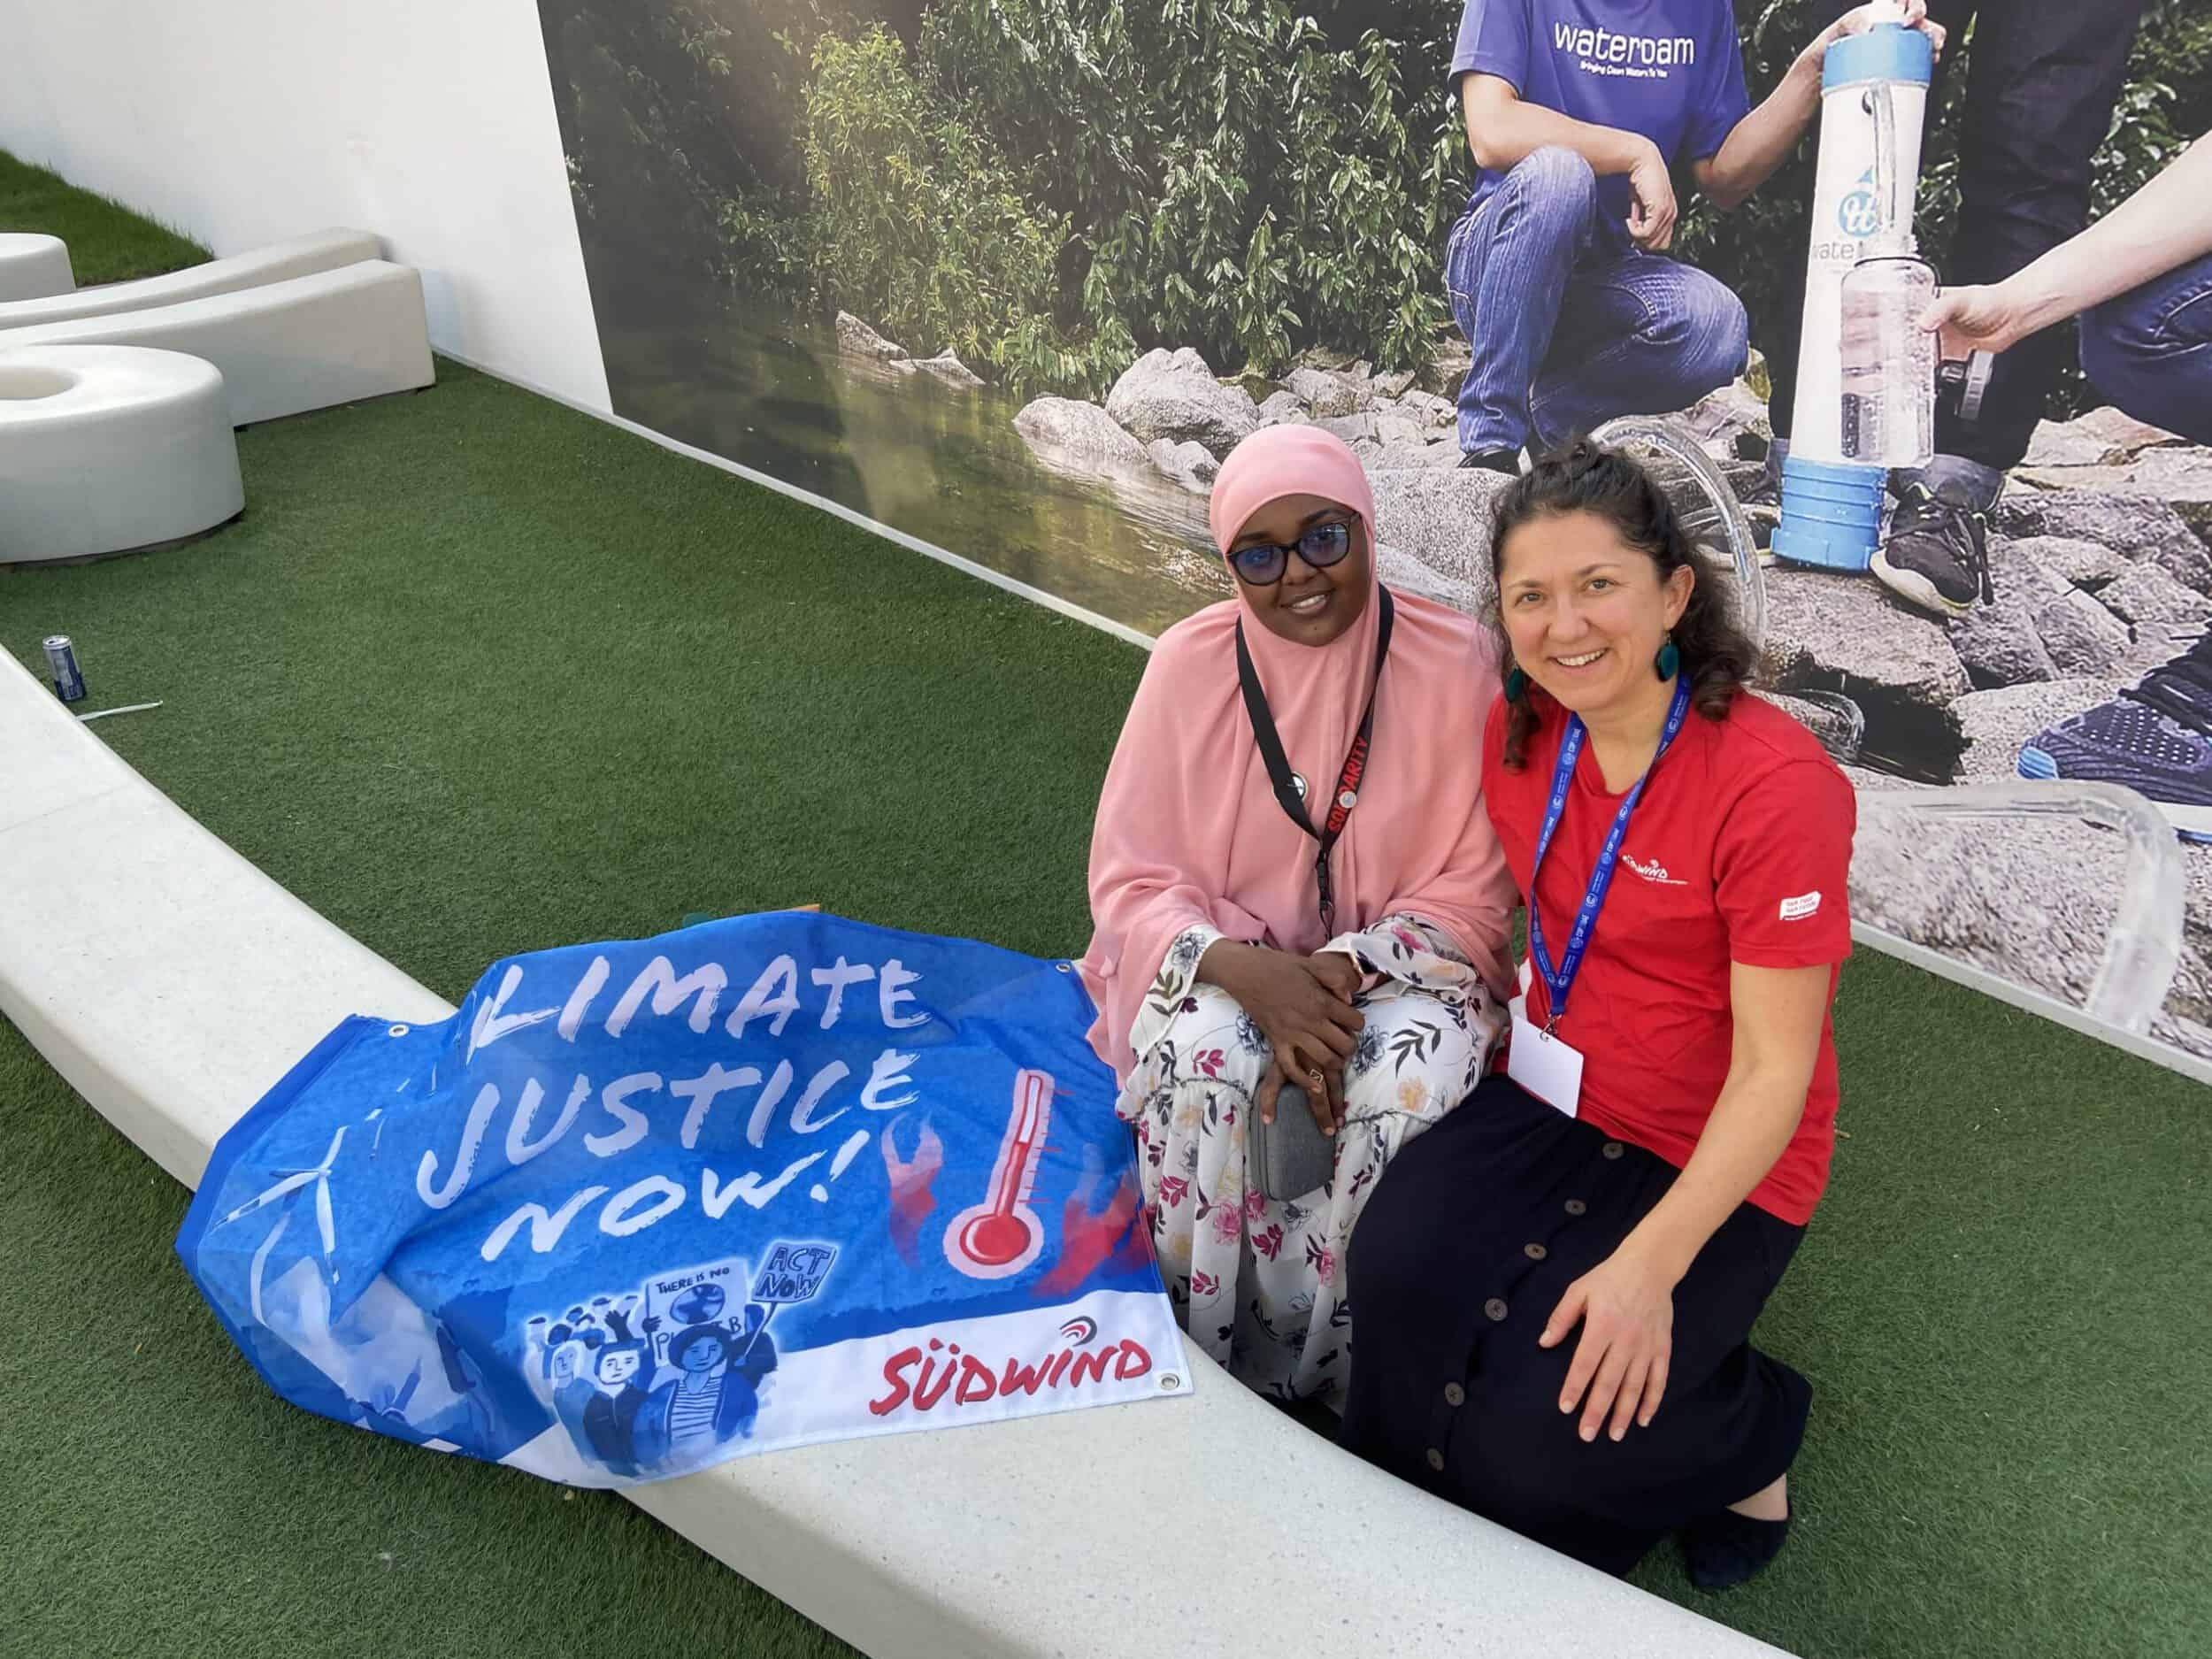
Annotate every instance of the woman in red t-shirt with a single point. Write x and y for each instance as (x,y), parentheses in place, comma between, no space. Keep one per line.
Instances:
(1555,1286)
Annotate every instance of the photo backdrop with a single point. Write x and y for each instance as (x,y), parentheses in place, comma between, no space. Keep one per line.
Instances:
(1011,276)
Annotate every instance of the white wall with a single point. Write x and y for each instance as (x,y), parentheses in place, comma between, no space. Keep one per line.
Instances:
(240,122)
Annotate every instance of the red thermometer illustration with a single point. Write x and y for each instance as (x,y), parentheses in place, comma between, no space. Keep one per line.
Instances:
(1001,1235)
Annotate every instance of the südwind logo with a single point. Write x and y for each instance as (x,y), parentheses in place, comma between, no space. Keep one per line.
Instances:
(971,1380)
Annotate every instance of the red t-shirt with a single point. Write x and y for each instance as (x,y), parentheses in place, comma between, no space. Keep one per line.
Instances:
(1739,850)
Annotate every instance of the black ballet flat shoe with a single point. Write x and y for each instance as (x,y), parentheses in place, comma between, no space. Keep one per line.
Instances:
(1725,1549)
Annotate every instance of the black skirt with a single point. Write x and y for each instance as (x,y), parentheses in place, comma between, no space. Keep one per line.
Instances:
(1473,1236)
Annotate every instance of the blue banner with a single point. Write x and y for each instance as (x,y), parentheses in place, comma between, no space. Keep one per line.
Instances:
(639,1207)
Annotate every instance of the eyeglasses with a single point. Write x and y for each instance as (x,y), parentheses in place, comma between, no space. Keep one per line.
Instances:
(1321,545)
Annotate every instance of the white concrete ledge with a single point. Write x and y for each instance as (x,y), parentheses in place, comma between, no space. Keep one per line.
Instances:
(172,983)
(304,255)
(34,267)
(309,342)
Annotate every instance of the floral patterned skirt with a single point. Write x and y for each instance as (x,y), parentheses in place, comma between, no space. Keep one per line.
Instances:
(1258,1283)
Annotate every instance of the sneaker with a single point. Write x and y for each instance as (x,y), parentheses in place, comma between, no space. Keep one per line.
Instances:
(1505,461)
(1936,556)
(2152,739)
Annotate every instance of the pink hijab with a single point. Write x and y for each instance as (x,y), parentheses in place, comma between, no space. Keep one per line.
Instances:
(1188,829)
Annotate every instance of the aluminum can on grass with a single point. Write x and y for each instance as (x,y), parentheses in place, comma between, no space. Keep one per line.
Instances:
(61,656)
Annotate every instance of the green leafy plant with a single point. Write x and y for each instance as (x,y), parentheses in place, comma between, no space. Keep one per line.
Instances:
(919,227)
(1236,180)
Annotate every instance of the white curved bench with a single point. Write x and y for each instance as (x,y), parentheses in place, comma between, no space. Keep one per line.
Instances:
(334,337)
(103,449)
(304,255)
(34,267)
(172,983)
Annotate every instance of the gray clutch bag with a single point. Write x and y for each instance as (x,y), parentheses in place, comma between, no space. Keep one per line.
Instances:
(1289,1157)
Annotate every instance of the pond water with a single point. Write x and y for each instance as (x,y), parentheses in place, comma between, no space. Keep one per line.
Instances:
(909,451)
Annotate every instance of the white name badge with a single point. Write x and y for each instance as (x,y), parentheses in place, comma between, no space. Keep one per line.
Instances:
(1543,1064)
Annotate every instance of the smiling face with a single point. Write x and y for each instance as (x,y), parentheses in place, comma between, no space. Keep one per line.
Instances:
(1586,612)
(1308,606)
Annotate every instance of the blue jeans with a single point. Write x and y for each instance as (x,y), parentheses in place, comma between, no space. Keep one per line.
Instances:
(1570,322)
(2150,349)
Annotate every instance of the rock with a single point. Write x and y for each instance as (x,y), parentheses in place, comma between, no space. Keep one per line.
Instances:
(951,370)
(1174,395)
(1994,723)
(1190,465)
(1428,406)
(2081,635)
(2064,444)
(1736,418)
(2101,480)
(1419,453)
(1743,476)
(1441,517)
(2138,524)
(1393,385)
(1406,574)
(2105,436)
(857,337)
(2056,558)
(1322,357)
(1284,408)
(2183,478)
(1395,429)
(1325,396)
(1352,428)
(2188,1020)
(2001,643)
(1839,731)
(2144,594)
(1448,368)
(2121,431)
(2030,899)
(1822,629)
(1079,437)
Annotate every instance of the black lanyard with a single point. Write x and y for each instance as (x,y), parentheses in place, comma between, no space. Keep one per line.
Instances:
(1346,795)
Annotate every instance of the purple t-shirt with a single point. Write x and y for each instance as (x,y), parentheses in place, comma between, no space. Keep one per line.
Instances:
(1671,70)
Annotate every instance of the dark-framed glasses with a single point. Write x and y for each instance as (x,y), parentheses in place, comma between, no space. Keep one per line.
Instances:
(1320,545)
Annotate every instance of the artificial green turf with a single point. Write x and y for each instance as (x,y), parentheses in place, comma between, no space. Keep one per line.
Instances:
(107,241)
(477,675)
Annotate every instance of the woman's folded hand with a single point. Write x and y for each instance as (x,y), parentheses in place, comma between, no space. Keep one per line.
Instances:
(1304,1007)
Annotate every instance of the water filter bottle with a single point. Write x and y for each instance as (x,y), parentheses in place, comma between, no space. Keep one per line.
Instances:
(1887,363)
(1873,98)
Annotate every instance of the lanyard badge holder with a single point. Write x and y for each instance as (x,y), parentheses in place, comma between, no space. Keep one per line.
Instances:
(1284,781)
(1538,1060)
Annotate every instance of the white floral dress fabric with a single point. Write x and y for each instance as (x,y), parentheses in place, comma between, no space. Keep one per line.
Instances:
(1259,1283)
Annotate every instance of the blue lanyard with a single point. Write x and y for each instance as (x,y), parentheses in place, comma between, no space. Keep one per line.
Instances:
(1559,980)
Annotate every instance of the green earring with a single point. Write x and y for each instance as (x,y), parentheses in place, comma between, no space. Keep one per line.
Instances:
(1668,663)
(1516,685)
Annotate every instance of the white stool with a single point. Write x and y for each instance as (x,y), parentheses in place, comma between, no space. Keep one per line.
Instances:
(34,267)
(103,449)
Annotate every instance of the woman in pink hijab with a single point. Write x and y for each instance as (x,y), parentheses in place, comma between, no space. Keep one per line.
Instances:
(1336,919)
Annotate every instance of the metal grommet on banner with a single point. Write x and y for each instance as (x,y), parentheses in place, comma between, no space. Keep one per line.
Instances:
(399,1031)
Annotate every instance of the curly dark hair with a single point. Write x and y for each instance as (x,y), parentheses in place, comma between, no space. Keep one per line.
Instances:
(1718,656)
